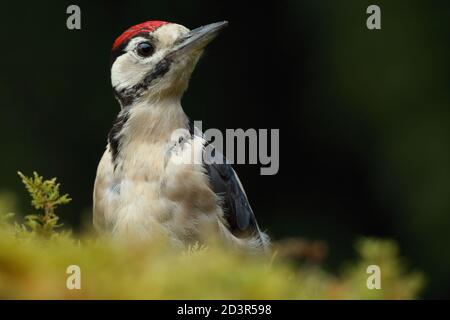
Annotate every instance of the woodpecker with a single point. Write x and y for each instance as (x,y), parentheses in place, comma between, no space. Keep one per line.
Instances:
(142,189)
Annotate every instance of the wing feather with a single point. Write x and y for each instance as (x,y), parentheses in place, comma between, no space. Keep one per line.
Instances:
(238,213)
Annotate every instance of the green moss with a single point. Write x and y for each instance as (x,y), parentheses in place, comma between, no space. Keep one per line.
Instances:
(33,264)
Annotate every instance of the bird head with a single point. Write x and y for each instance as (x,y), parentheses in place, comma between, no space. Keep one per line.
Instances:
(155,59)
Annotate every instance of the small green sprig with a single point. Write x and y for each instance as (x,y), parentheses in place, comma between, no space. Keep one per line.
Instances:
(45,196)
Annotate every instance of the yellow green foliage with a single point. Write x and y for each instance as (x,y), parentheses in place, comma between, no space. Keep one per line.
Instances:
(34,259)
(45,196)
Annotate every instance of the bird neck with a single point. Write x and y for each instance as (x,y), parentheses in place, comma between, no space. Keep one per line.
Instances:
(155,121)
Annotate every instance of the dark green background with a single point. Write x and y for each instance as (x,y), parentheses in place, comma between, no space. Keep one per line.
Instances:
(363,115)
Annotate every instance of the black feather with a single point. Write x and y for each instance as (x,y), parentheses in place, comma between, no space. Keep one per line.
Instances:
(114,135)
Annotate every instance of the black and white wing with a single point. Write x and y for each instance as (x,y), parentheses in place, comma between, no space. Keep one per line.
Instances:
(238,213)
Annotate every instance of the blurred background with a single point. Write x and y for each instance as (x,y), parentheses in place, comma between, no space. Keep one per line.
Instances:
(363,115)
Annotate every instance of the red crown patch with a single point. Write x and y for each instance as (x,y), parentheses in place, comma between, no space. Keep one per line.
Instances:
(147,26)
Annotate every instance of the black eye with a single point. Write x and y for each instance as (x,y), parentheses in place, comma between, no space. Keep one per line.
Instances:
(145,49)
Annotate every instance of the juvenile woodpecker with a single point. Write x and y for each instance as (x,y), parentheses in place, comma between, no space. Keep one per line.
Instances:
(144,189)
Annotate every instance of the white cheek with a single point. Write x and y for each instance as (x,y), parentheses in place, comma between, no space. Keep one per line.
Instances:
(129,70)
(125,71)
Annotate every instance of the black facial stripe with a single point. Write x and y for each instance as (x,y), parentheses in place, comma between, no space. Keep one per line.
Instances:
(127,96)
(124,99)
(115,136)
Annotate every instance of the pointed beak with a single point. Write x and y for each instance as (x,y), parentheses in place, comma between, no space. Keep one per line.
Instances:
(197,39)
